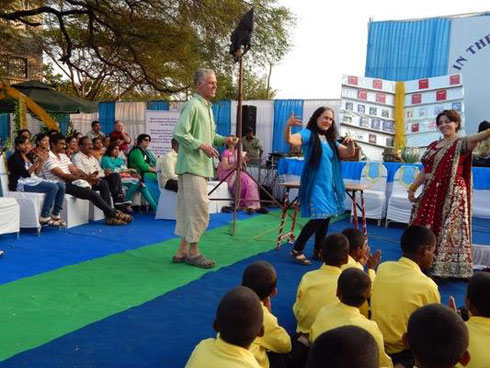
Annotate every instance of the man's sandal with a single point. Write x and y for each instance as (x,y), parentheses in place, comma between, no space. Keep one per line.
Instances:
(200,261)
(300,258)
(115,221)
(122,216)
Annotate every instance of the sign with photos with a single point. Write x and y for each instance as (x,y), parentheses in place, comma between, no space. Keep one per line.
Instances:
(367,110)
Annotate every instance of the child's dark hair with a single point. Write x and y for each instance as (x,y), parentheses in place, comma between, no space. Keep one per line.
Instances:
(354,286)
(437,336)
(346,346)
(261,277)
(356,239)
(40,137)
(415,237)
(239,317)
(335,249)
(479,293)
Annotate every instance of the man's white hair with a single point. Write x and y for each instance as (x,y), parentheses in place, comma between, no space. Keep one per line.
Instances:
(201,74)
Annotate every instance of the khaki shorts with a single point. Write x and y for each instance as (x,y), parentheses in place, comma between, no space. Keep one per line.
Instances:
(192,207)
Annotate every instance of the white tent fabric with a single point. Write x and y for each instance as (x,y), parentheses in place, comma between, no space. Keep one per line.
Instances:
(132,115)
(83,122)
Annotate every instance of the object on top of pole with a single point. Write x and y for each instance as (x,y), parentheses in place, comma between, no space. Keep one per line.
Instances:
(241,36)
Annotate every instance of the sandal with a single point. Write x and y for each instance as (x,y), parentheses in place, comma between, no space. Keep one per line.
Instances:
(122,216)
(200,261)
(114,221)
(300,258)
(47,221)
(58,221)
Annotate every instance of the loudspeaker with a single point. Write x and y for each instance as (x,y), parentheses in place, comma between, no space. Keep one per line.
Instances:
(249,118)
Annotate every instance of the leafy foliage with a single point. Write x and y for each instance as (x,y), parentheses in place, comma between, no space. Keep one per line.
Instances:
(117,49)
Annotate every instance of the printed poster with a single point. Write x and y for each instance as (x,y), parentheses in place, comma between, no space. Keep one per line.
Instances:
(160,126)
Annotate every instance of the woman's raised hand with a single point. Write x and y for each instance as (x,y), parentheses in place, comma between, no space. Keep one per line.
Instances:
(294,120)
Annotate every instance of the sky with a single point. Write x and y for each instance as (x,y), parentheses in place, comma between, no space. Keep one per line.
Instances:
(330,40)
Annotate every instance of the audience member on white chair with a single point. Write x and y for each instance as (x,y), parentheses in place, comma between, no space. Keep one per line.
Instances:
(86,162)
(23,177)
(167,178)
(112,163)
(58,167)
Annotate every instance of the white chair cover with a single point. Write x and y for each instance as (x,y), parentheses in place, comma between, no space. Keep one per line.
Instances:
(399,207)
(375,175)
(9,216)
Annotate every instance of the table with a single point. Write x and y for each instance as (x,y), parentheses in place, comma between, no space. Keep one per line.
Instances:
(350,188)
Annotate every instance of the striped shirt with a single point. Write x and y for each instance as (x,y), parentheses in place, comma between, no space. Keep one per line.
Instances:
(63,162)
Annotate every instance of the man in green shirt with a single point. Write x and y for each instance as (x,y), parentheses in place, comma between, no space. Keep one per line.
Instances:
(195,132)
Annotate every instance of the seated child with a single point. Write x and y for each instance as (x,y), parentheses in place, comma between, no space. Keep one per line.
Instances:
(359,253)
(437,337)
(261,277)
(401,287)
(478,304)
(354,288)
(347,346)
(359,256)
(318,288)
(239,320)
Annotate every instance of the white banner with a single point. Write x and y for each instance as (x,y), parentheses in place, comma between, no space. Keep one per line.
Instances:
(160,126)
(469,55)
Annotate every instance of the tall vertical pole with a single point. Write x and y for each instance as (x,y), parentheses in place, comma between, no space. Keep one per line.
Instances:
(239,148)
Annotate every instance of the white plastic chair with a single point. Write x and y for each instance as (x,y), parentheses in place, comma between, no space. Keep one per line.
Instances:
(399,207)
(375,175)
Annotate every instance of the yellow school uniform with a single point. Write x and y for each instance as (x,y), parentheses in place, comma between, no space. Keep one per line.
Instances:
(216,353)
(316,290)
(372,275)
(340,314)
(399,289)
(275,339)
(351,262)
(479,331)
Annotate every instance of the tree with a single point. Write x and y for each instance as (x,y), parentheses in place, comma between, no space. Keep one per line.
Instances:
(121,48)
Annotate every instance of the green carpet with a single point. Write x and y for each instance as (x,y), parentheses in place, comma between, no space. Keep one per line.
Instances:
(41,308)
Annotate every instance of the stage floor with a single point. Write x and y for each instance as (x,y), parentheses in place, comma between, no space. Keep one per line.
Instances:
(106,296)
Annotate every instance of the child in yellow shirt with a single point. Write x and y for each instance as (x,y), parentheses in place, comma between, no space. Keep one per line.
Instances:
(354,288)
(401,287)
(478,304)
(437,337)
(319,288)
(359,256)
(261,277)
(346,346)
(239,320)
(360,253)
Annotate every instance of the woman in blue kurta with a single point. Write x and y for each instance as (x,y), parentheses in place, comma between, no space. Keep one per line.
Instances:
(322,190)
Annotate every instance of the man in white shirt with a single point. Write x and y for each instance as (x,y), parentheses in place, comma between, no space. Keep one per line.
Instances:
(96,132)
(108,184)
(166,168)
(58,167)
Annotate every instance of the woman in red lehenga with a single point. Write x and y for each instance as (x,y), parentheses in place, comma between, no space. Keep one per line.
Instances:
(445,203)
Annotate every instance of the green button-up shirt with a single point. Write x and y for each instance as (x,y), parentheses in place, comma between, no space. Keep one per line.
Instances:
(194,127)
